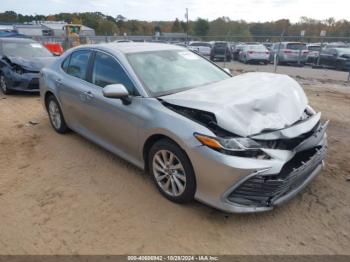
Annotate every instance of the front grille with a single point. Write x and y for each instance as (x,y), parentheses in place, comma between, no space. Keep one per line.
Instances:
(33,84)
(261,190)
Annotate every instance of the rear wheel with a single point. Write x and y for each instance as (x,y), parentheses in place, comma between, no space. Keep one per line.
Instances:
(338,66)
(55,114)
(172,171)
(3,84)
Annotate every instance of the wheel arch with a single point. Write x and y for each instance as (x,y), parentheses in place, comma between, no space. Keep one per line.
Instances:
(48,93)
(150,141)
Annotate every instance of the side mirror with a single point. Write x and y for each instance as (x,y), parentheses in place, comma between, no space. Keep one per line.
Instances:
(117,91)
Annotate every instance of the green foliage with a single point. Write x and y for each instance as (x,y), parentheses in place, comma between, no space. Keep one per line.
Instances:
(176,26)
(221,28)
(201,27)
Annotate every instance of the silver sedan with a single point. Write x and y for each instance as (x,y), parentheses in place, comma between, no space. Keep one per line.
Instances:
(240,144)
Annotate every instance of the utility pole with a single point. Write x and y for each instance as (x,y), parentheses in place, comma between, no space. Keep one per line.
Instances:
(276,55)
(186,15)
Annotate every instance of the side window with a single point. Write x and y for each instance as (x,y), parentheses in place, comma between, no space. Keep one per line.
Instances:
(106,70)
(65,63)
(78,63)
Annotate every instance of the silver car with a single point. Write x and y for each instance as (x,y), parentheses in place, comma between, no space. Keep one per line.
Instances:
(289,52)
(254,53)
(202,48)
(246,143)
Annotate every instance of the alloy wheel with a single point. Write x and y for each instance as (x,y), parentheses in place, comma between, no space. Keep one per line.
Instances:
(169,173)
(55,114)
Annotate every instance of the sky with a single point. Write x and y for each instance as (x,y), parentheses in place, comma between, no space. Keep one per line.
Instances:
(151,10)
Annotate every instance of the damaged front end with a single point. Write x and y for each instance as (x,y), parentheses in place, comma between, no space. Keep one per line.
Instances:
(21,74)
(300,147)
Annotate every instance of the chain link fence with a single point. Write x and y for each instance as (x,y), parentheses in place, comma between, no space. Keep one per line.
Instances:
(68,42)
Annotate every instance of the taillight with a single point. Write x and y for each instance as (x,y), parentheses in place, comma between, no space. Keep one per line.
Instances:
(287,51)
(251,52)
(267,52)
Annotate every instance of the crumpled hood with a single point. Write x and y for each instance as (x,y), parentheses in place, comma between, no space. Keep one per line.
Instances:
(32,64)
(248,104)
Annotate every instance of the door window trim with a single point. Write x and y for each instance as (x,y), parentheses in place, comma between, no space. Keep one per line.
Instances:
(88,63)
(91,64)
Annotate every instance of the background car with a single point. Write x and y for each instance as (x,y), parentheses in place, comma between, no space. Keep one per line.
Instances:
(268,45)
(237,49)
(289,52)
(20,63)
(336,45)
(221,51)
(314,52)
(254,53)
(338,58)
(202,48)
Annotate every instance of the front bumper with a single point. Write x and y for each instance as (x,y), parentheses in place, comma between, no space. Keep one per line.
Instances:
(26,82)
(245,185)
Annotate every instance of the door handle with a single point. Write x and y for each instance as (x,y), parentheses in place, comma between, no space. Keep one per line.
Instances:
(58,81)
(88,95)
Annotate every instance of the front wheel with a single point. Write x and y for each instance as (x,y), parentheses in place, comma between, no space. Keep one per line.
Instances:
(55,114)
(172,171)
(3,84)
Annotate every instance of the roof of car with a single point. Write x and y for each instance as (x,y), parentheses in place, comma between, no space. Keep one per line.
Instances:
(343,50)
(16,39)
(132,47)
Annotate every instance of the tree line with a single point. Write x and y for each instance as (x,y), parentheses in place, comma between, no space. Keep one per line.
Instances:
(220,28)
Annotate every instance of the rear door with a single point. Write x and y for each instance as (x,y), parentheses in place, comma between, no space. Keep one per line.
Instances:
(73,88)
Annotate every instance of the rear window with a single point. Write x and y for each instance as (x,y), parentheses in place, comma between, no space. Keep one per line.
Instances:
(220,45)
(78,63)
(314,48)
(296,46)
(201,44)
(256,48)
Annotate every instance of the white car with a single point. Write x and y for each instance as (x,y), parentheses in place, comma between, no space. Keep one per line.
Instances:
(254,53)
(202,48)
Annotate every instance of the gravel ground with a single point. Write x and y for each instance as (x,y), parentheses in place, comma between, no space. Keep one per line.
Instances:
(61,194)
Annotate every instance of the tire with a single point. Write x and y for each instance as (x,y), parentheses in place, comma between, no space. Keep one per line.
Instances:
(245,61)
(338,66)
(3,85)
(176,180)
(55,115)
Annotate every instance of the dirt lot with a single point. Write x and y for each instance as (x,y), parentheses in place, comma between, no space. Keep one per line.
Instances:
(61,194)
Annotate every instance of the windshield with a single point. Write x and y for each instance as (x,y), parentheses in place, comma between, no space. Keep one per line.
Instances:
(220,45)
(24,49)
(200,44)
(296,46)
(261,48)
(172,71)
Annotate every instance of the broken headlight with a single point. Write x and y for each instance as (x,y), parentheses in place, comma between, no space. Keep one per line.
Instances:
(243,147)
(18,69)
